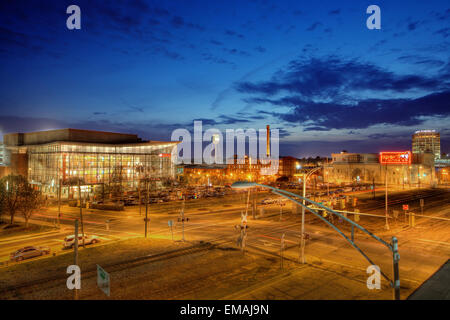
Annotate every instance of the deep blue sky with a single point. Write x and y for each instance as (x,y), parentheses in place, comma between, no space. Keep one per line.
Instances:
(309,68)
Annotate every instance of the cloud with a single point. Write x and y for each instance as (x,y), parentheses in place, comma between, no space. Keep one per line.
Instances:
(445,32)
(179,22)
(421,60)
(326,93)
(229,32)
(313,26)
(215,42)
(237,52)
(413,25)
(336,78)
(364,114)
(260,49)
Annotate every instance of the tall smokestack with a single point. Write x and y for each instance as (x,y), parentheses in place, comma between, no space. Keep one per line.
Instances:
(268,141)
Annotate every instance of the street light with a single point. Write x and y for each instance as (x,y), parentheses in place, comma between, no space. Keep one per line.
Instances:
(305,178)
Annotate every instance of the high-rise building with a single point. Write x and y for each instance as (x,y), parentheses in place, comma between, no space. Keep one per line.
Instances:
(427,141)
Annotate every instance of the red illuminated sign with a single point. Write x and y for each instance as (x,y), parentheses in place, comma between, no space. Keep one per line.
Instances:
(405,207)
(164,155)
(395,157)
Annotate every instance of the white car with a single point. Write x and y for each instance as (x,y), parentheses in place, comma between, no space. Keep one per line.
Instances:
(69,241)
(268,201)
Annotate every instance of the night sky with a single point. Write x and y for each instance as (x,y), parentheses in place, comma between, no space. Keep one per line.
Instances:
(310,68)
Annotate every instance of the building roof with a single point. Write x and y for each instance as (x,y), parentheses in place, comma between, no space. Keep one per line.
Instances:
(71,135)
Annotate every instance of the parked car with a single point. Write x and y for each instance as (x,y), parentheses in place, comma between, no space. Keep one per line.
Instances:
(69,241)
(29,252)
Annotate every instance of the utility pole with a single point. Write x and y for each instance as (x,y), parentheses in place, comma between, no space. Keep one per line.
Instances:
(396,258)
(59,204)
(75,252)
(243,229)
(386,199)
(254,193)
(419,176)
(139,197)
(182,217)
(281,209)
(81,210)
(373,186)
(146,206)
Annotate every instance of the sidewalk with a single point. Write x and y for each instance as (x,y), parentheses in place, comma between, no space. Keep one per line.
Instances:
(437,287)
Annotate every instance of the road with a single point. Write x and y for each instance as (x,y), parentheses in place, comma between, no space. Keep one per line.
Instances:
(422,249)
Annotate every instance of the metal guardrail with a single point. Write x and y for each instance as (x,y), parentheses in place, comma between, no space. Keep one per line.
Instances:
(393,246)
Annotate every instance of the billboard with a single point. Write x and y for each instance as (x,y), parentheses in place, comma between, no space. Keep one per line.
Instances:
(392,157)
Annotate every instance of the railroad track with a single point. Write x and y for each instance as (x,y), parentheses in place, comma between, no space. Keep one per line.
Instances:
(114,267)
(55,280)
(380,203)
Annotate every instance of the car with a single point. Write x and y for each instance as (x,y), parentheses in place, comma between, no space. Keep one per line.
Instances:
(29,252)
(268,201)
(69,241)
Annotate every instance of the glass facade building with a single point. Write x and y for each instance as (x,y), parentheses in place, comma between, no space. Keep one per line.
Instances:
(97,164)
(427,141)
(51,158)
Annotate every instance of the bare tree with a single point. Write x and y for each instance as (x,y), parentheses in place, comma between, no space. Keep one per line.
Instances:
(13,186)
(30,201)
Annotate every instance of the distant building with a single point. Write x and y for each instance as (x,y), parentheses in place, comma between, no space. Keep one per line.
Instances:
(4,161)
(427,141)
(288,166)
(366,168)
(204,174)
(47,158)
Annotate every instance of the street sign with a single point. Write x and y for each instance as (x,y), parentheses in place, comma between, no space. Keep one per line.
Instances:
(103,280)
(170,223)
(405,207)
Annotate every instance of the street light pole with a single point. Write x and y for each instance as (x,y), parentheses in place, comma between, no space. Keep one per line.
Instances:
(386,199)
(302,245)
(303,221)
